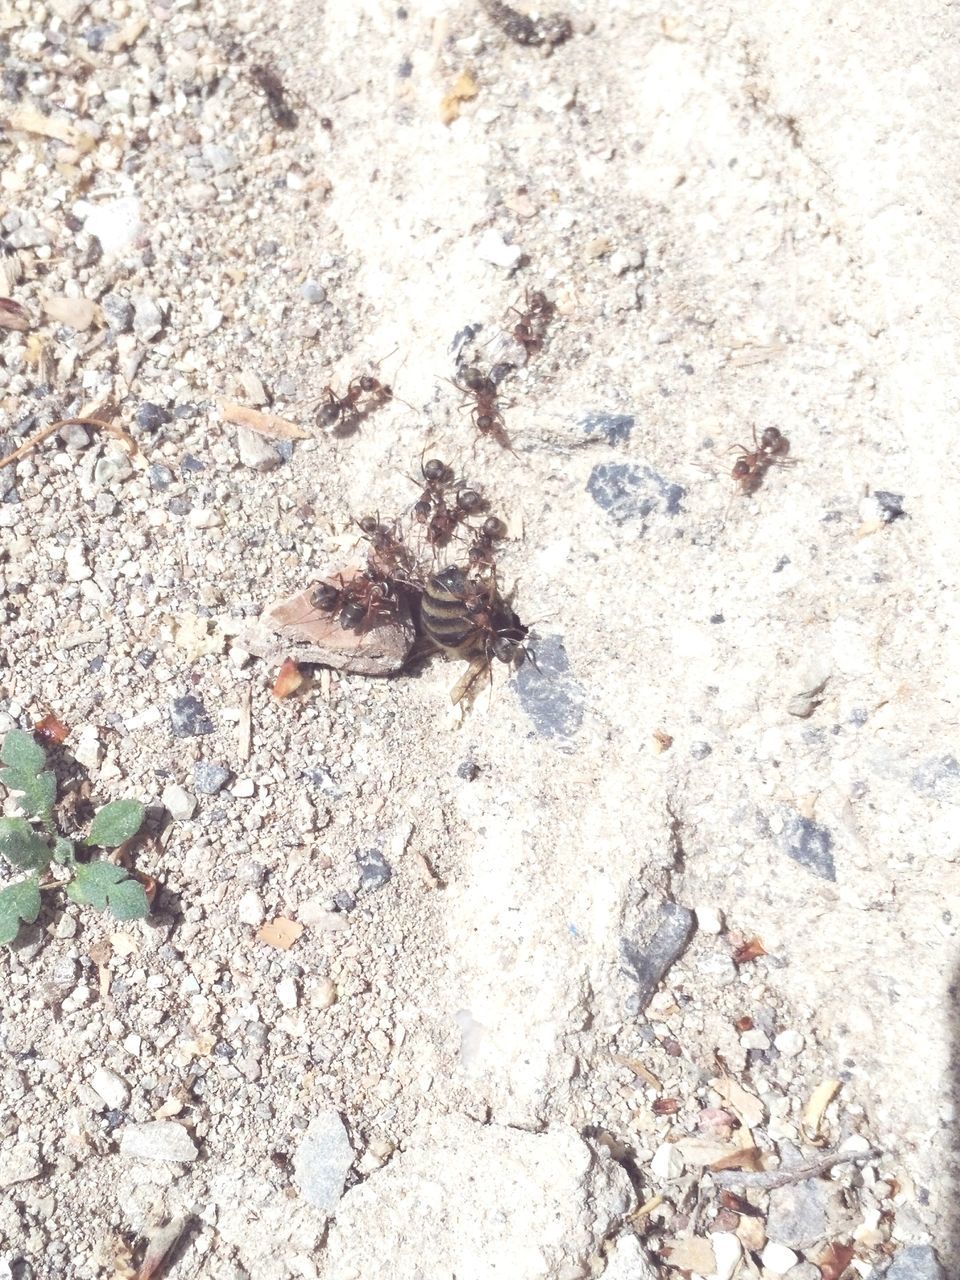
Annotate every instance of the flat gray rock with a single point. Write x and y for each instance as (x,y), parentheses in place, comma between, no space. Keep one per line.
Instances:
(157,1140)
(322,1161)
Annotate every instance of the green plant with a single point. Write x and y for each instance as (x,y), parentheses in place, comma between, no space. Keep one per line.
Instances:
(102,884)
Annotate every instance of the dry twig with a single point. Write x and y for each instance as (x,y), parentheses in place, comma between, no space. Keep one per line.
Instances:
(774,1178)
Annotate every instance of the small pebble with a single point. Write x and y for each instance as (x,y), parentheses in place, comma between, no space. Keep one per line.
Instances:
(250,909)
(89,750)
(157,1140)
(114,1091)
(118,312)
(628,492)
(147,319)
(209,778)
(727,1250)
(324,994)
(151,417)
(204,518)
(115,223)
(915,1262)
(789,1043)
(659,939)
(375,871)
(256,452)
(492,248)
(74,437)
(709,919)
(20,1163)
(778,1258)
(755,1039)
(322,1161)
(179,803)
(189,717)
(622,261)
(809,844)
(799,1214)
(312,292)
(700,750)
(243,788)
(667,1162)
(75,563)
(161,477)
(287,993)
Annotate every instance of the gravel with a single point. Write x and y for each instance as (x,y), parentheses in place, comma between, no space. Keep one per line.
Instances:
(322,1161)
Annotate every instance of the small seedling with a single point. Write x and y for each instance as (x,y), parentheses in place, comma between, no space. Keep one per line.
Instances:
(99,883)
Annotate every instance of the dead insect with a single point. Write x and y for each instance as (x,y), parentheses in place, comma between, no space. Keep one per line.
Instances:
(271,86)
(485,413)
(468,618)
(551,29)
(534,320)
(752,464)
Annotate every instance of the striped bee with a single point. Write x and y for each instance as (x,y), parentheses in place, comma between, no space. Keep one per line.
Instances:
(467,618)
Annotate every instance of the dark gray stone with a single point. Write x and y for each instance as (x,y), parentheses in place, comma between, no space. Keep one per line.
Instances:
(890,504)
(151,417)
(189,717)
(700,750)
(628,492)
(118,311)
(548,693)
(209,778)
(344,901)
(916,1262)
(937,776)
(799,1215)
(809,844)
(660,938)
(161,477)
(614,427)
(374,869)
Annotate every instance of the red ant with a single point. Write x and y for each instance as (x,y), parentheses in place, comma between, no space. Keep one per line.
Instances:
(387,552)
(752,465)
(531,328)
(432,509)
(481,551)
(365,599)
(485,415)
(346,409)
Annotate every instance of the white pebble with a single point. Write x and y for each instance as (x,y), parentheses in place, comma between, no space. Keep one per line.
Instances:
(180,804)
(709,919)
(88,751)
(287,993)
(204,518)
(250,909)
(789,1043)
(667,1162)
(255,452)
(727,1250)
(621,262)
(112,1089)
(243,788)
(115,223)
(76,563)
(755,1039)
(157,1140)
(778,1258)
(324,994)
(491,247)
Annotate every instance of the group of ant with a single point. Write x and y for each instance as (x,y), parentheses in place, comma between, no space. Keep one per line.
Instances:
(366,394)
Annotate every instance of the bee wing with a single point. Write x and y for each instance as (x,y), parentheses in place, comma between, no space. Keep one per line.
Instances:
(469,679)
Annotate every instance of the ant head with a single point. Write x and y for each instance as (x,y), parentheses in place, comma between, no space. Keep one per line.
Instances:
(505,648)
(741,469)
(352,615)
(493,528)
(434,470)
(369,524)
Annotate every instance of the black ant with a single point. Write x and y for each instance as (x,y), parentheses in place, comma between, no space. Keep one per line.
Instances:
(485,415)
(752,464)
(387,551)
(531,328)
(432,508)
(270,84)
(347,409)
(362,602)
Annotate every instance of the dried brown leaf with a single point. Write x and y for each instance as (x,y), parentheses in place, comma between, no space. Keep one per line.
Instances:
(280,932)
(265,424)
(752,949)
(691,1254)
(76,313)
(833,1260)
(13,316)
(820,1099)
(289,679)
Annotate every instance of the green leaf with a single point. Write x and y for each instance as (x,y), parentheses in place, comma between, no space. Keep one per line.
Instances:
(39,791)
(23,752)
(116,822)
(18,902)
(109,888)
(22,846)
(64,852)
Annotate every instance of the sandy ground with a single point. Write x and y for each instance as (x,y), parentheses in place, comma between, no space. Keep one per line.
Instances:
(519,1047)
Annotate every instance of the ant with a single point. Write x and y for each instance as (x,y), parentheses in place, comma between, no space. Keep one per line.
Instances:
(752,465)
(366,598)
(387,554)
(347,409)
(531,328)
(485,415)
(481,551)
(432,509)
(270,84)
